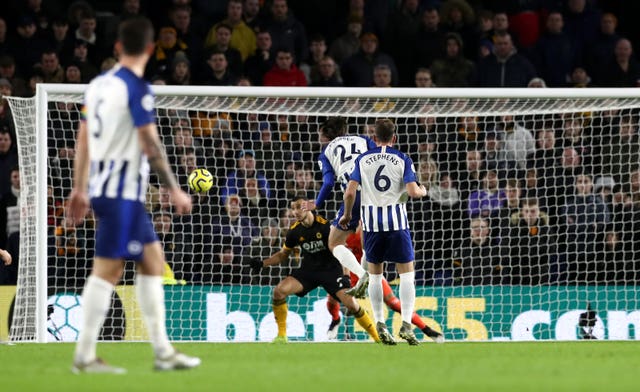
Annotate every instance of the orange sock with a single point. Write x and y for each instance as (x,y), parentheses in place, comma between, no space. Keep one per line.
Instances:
(334,308)
(394,304)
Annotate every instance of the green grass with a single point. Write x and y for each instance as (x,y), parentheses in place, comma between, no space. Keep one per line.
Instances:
(328,367)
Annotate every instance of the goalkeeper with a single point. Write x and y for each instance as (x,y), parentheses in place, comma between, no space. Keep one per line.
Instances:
(310,232)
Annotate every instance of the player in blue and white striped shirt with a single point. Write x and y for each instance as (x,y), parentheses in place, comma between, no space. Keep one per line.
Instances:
(336,162)
(385,176)
(117,143)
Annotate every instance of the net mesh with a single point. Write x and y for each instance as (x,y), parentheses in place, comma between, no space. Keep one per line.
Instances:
(529,231)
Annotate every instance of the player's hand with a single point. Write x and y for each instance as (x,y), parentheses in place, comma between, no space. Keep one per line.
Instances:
(309,206)
(344,221)
(78,206)
(5,256)
(256,264)
(423,189)
(181,201)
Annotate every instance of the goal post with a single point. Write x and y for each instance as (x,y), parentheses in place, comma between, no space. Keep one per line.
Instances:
(568,273)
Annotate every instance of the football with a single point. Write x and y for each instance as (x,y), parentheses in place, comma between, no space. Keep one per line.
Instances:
(200,180)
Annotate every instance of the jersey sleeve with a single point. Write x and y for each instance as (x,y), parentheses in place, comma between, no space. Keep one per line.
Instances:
(409,171)
(370,143)
(291,241)
(355,174)
(141,104)
(328,180)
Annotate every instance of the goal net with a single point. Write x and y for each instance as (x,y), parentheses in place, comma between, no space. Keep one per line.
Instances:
(530,230)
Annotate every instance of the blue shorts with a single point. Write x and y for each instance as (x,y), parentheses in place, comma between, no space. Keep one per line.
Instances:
(123,228)
(395,246)
(355,216)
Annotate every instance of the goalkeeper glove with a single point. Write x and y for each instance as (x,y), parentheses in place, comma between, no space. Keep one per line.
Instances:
(256,264)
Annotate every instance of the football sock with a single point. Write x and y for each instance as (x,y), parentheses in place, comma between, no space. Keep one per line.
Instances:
(280,310)
(334,309)
(96,301)
(348,260)
(365,322)
(407,295)
(394,304)
(376,297)
(150,294)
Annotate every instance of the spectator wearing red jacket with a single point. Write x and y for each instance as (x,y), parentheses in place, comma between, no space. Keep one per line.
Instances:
(284,72)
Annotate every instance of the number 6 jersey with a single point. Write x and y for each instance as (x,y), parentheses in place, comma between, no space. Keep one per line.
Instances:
(383,173)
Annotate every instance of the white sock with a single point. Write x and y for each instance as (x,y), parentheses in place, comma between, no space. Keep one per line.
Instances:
(407,295)
(376,297)
(150,294)
(96,301)
(348,260)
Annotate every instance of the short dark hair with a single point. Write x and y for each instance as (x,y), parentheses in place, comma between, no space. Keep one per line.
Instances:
(334,127)
(385,129)
(135,34)
(298,196)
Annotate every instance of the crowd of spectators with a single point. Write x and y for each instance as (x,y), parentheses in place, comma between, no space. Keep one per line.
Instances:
(512,200)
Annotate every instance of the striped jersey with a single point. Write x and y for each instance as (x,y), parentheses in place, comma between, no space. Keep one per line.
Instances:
(383,173)
(339,155)
(115,104)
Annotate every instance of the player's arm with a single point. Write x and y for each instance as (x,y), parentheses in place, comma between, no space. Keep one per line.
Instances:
(5,256)
(78,198)
(279,257)
(349,201)
(416,191)
(153,149)
(328,180)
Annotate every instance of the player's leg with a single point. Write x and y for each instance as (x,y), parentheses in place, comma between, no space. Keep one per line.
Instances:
(361,316)
(96,301)
(337,246)
(150,295)
(374,244)
(286,287)
(333,307)
(403,256)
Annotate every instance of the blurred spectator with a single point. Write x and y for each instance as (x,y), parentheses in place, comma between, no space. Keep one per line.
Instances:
(4,42)
(87,31)
(255,203)
(357,70)
(6,117)
(623,70)
(218,73)
(581,21)
(459,17)
(269,242)
(286,31)
(9,208)
(510,214)
(327,74)
(547,152)
(246,168)
(602,48)
(519,143)
(530,243)
(348,43)
(554,55)
(243,81)
(495,157)
(453,70)
(402,26)
(505,67)
(429,40)
(167,45)
(243,38)
(477,261)
(180,17)
(250,12)
(223,44)
(60,40)
(27,46)
(72,74)
(8,160)
(8,71)
(51,69)
(284,72)
(36,78)
(579,78)
(317,51)
(80,57)
(621,154)
(470,176)
(381,76)
(537,83)
(180,70)
(585,218)
(488,201)
(423,78)
(261,61)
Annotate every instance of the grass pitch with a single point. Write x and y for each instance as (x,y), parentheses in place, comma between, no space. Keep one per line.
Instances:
(328,367)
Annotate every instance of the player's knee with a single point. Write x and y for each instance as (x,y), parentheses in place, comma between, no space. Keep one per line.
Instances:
(279,293)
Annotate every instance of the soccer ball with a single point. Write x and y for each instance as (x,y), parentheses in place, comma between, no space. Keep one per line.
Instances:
(200,180)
